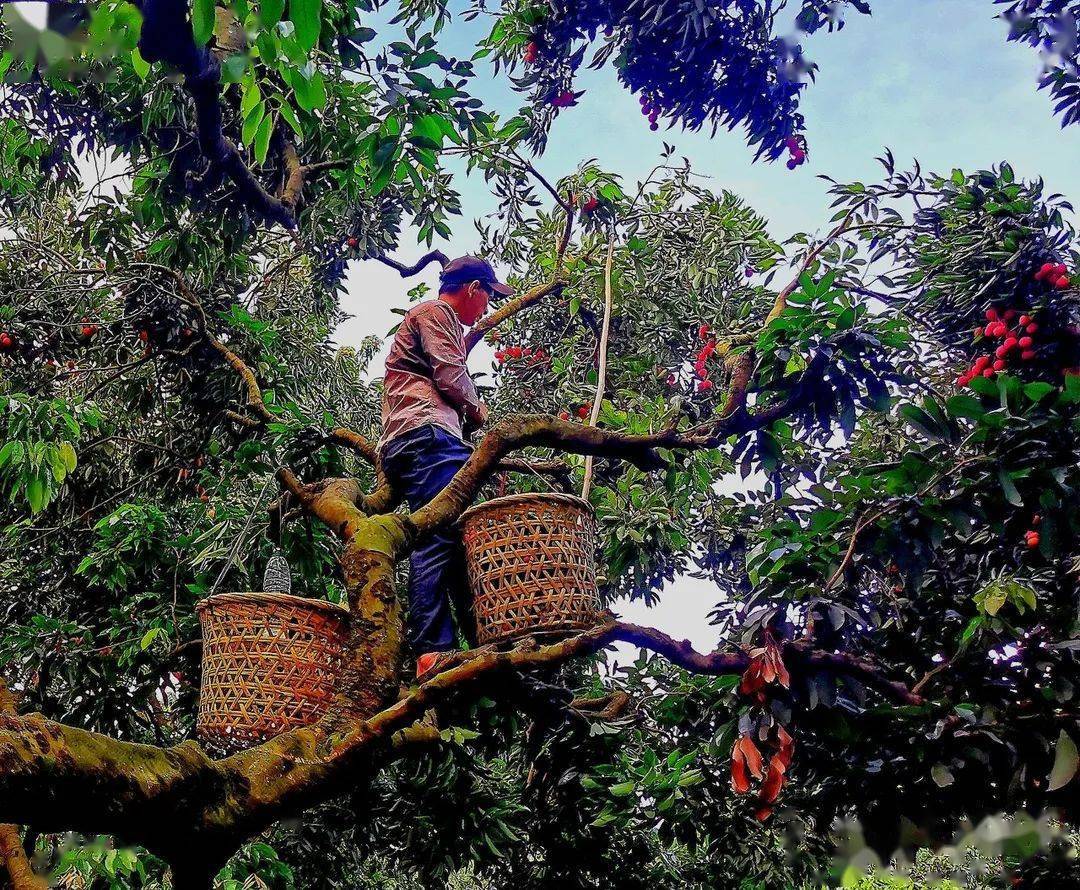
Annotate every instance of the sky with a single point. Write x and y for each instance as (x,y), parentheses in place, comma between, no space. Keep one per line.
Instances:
(930,79)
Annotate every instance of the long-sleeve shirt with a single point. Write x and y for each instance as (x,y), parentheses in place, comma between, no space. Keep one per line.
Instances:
(426,379)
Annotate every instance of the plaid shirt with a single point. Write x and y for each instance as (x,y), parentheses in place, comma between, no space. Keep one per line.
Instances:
(426,378)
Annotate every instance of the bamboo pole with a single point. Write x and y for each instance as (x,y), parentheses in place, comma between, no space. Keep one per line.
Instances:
(601,374)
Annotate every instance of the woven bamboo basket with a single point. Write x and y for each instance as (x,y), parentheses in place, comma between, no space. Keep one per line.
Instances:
(531,563)
(270,663)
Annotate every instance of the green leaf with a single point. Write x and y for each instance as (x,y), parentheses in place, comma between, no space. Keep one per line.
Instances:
(270,12)
(922,422)
(1011,494)
(965,406)
(262,138)
(1038,390)
(252,122)
(991,598)
(141,66)
(310,93)
(11,452)
(250,97)
(972,628)
(941,775)
(286,111)
(36,494)
(203,17)
(57,465)
(622,789)
(306,15)
(1065,763)
(1071,392)
(148,638)
(984,387)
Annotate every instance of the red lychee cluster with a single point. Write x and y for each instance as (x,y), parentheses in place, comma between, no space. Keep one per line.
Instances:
(6,340)
(352,243)
(1031,536)
(89,329)
(1054,274)
(565,99)
(514,353)
(591,203)
(651,112)
(701,369)
(797,152)
(531,52)
(1018,342)
(585,410)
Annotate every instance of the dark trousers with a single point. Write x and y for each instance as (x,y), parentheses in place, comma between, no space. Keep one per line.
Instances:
(420,463)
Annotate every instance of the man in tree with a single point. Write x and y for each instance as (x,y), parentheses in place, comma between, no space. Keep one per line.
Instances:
(429,406)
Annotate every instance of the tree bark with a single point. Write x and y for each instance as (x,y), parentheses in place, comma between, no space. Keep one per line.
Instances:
(15,870)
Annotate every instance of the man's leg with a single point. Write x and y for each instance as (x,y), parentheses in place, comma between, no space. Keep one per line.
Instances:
(429,624)
(437,567)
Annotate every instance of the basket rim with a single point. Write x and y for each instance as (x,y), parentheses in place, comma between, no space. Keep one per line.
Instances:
(252,597)
(508,499)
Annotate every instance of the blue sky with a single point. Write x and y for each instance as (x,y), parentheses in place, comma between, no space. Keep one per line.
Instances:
(932,79)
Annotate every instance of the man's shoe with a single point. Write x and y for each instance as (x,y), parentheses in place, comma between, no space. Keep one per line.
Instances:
(431,663)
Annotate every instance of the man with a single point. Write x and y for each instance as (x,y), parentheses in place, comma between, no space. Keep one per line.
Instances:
(429,405)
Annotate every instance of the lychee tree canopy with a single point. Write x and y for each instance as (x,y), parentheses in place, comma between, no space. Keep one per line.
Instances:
(893,540)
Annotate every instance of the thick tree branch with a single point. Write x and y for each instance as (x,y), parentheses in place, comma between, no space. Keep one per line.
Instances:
(15,870)
(57,777)
(167,37)
(641,450)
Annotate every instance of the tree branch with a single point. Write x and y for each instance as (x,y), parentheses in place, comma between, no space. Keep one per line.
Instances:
(511,308)
(408,271)
(544,430)
(57,777)
(601,374)
(167,37)
(15,870)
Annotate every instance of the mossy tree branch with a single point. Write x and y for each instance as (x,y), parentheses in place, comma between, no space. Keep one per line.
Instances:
(58,778)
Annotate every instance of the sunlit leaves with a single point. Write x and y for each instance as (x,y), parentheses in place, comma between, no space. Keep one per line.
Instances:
(203,19)
(38,453)
(306,15)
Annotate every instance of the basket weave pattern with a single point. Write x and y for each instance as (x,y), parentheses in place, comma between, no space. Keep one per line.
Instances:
(270,663)
(531,566)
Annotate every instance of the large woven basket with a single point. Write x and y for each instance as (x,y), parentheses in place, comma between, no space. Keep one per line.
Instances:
(531,561)
(270,663)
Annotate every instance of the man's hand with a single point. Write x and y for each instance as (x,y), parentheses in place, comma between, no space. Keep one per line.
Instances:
(476,419)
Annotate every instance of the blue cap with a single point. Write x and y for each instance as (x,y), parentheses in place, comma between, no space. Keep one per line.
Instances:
(465,269)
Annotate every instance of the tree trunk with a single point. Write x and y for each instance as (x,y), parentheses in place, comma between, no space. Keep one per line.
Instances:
(15,870)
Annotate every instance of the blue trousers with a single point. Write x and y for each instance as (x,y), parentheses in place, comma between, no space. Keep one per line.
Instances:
(420,463)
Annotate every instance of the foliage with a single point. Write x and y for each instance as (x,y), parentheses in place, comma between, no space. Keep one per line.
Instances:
(905,508)
(1050,26)
(691,63)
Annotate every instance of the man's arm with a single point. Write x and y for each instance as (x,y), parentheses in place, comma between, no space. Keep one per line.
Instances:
(444,345)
